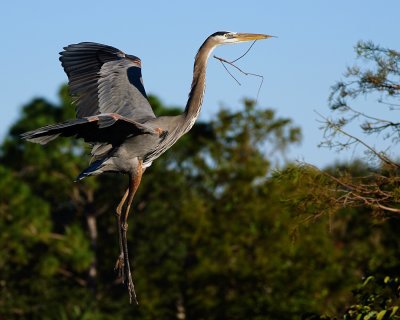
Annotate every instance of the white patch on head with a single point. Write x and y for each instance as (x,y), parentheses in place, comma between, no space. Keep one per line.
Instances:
(227,38)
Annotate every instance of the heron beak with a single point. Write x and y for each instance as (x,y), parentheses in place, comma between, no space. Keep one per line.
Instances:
(240,37)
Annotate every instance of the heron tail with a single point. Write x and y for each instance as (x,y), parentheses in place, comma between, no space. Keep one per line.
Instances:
(102,128)
(48,133)
(93,169)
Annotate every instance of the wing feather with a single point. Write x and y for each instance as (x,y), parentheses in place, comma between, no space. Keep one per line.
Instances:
(102,79)
(104,128)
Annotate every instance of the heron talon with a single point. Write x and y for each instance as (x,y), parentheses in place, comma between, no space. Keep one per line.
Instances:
(119,266)
(131,289)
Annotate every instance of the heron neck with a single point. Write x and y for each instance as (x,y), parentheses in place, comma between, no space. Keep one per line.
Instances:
(196,93)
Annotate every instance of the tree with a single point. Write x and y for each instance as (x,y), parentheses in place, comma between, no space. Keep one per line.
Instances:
(372,184)
(216,231)
(379,77)
(60,256)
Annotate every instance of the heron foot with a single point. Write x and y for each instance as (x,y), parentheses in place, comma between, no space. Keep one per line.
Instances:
(131,288)
(119,266)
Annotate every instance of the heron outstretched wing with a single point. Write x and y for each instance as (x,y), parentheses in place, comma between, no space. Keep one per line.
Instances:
(103,79)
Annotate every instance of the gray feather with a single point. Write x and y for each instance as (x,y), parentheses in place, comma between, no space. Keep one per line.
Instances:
(99,151)
(105,80)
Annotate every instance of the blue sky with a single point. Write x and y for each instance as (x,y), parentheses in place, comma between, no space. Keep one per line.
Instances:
(314,45)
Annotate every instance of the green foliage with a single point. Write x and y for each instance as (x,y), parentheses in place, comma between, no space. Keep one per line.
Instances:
(367,187)
(380,73)
(18,205)
(377,299)
(216,232)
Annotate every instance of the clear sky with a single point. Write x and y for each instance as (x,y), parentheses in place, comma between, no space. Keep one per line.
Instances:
(314,45)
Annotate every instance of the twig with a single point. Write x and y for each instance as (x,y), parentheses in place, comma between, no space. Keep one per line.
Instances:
(231,63)
(380,155)
(227,70)
(245,52)
(358,194)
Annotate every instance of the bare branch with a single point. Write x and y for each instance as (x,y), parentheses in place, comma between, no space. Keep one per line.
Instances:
(354,192)
(245,52)
(231,63)
(332,125)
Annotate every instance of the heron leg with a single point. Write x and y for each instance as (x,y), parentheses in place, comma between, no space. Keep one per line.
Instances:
(134,182)
(119,265)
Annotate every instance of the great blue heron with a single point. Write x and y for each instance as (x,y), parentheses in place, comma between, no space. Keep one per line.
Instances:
(115,117)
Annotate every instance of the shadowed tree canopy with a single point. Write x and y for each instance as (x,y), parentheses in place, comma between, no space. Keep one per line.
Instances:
(216,234)
(376,78)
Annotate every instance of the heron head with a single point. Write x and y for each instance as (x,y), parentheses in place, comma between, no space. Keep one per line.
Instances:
(228,37)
